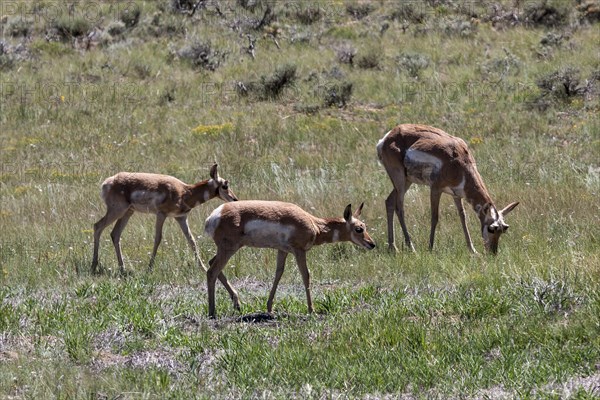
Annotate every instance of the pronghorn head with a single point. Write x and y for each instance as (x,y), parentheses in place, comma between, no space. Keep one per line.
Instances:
(357,228)
(493,225)
(223,190)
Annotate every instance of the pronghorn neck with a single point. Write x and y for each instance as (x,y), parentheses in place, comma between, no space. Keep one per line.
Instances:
(199,193)
(476,193)
(331,230)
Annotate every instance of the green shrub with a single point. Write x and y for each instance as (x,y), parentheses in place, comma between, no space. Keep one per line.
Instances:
(130,16)
(359,11)
(202,55)
(283,77)
(562,84)
(269,87)
(405,11)
(509,65)
(561,87)
(337,94)
(68,27)
(547,14)
(116,28)
(369,60)
(458,27)
(308,15)
(182,5)
(345,54)
(412,63)
(18,27)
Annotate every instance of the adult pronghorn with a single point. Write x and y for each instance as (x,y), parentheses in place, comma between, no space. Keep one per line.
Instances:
(277,225)
(429,156)
(163,195)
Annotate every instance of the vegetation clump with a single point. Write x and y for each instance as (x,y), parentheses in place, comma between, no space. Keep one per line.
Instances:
(308,15)
(408,12)
(69,27)
(563,86)
(18,27)
(412,63)
(544,14)
(345,54)
(337,94)
(183,5)
(360,10)
(269,87)
(202,55)
(371,59)
(131,16)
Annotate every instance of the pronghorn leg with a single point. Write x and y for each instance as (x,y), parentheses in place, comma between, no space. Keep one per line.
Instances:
(116,237)
(160,220)
(112,214)
(401,185)
(390,207)
(435,213)
(216,265)
(190,238)
(301,261)
(463,221)
(281,256)
(400,212)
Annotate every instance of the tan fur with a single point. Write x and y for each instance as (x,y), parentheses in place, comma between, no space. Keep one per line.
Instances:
(457,175)
(282,226)
(163,195)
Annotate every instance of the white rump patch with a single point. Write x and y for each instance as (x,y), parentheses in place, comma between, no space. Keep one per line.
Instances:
(421,167)
(380,144)
(147,201)
(260,233)
(106,187)
(213,220)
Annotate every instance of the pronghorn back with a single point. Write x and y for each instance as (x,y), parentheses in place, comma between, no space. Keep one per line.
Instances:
(259,223)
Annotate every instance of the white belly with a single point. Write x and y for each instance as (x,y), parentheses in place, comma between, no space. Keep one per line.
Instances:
(421,168)
(146,201)
(260,233)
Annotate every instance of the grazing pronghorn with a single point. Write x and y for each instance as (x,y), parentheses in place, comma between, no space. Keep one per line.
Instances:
(429,156)
(163,195)
(277,225)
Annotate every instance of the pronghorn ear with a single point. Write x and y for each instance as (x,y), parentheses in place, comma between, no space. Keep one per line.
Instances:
(348,213)
(213,172)
(358,210)
(508,208)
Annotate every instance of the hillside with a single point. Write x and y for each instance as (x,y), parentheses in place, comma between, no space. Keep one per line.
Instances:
(290,98)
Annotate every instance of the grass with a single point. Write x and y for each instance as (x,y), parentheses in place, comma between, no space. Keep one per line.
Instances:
(440,324)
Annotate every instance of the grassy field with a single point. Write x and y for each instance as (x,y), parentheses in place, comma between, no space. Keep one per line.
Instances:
(290,98)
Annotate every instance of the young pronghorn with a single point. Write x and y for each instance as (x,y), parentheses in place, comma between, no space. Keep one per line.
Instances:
(282,226)
(163,195)
(429,156)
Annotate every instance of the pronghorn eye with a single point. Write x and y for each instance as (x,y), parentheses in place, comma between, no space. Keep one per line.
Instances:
(359,230)
(491,230)
(224,186)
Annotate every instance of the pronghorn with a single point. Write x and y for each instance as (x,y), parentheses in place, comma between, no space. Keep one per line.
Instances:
(277,225)
(163,195)
(429,156)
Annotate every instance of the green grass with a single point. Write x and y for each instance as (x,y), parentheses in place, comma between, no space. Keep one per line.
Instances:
(440,324)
